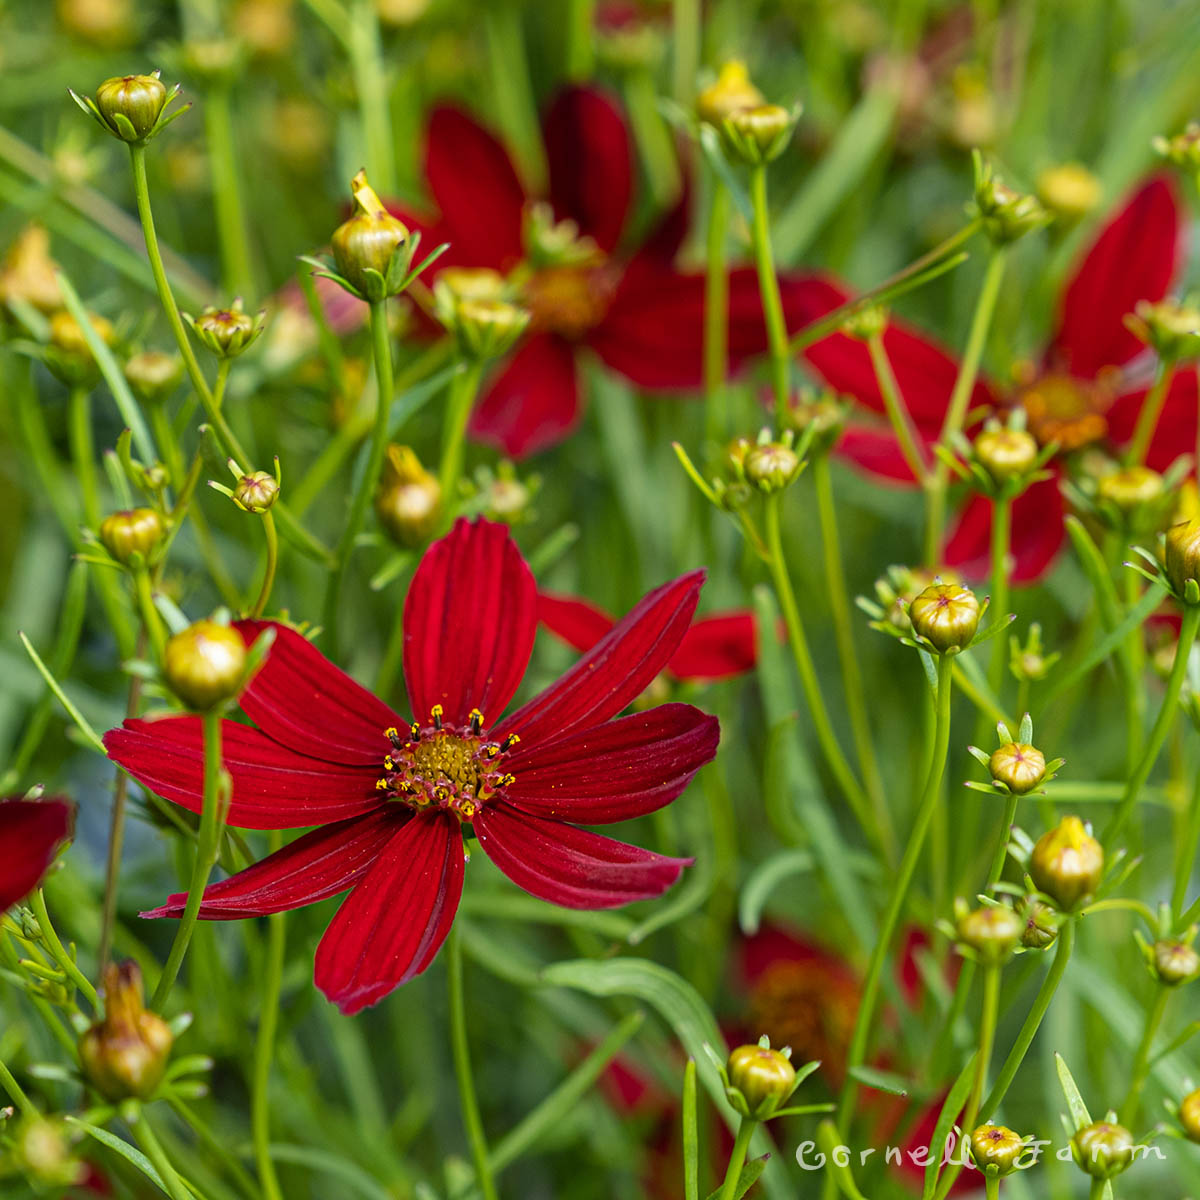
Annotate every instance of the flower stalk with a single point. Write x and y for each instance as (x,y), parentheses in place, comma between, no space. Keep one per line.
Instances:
(264,1046)
(737,1158)
(1141,1062)
(463,390)
(716,314)
(768,285)
(1149,413)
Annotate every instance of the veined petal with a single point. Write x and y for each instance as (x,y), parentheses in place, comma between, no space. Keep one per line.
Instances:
(394,921)
(616,670)
(469,623)
(568,866)
(273,787)
(301,700)
(1175,433)
(717,646)
(616,771)
(30,834)
(579,624)
(317,865)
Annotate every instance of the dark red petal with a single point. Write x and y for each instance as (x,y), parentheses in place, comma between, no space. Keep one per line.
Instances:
(877,452)
(716,647)
(273,787)
(616,670)
(568,866)
(469,623)
(30,834)
(533,402)
(1037,534)
(314,867)
(667,235)
(805,297)
(591,176)
(303,701)
(580,624)
(394,921)
(1175,433)
(616,771)
(1134,258)
(774,945)
(477,189)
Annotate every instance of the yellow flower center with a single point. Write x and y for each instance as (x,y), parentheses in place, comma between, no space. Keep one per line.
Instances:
(1066,410)
(568,300)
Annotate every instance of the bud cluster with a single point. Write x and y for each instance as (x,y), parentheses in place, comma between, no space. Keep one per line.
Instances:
(1003,459)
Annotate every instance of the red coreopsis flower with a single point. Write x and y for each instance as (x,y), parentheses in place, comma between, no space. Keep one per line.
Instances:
(31,832)
(390,798)
(643,318)
(1081,391)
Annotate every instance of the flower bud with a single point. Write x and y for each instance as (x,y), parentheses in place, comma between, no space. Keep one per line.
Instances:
(819,411)
(256,492)
(485,328)
(42,1155)
(1006,453)
(154,374)
(758,135)
(1019,766)
(996,1146)
(1103,1149)
(226,332)
(135,531)
(867,323)
(1131,488)
(205,664)
(763,1076)
(945,615)
(732,91)
(1041,924)
(369,241)
(1181,555)
(138,98)
(126,1054)
(1172,329)
(771,466)
(474,283)
(1006,214)
(1189,1115)
(67,336)
(409,500)
(27,273)
(1069,191)
(1175,962)
(1183,149)
(1067,863)
(992,932)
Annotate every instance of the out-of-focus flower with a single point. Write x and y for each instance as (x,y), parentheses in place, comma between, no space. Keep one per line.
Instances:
(27,273)
(31,832)
(390,799)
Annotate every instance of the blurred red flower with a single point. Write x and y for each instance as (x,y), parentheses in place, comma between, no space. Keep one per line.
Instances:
(31,832)
(390,799)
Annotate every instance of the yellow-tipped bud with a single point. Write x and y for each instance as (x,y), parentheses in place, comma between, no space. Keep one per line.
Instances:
(154,374)
(1067,863)
(1006,453)
(732,91)
(135,531)
(1069,191)
(1181,555)
(409,500)
(991,932)
(1103,1149)
(1189,1115)
(764,1077)
(1019,766)
(369,241)
(205,664)
(996,1146)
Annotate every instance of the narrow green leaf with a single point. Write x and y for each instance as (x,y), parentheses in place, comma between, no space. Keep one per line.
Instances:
(333,1165)
(123,1148)
(691,1137)
(747,1178)
(881,1081)
(829,1139)
(764,879)
(955,1099)
(1079,1113)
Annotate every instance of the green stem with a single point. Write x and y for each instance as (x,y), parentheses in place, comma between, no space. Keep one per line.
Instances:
(83,452)
(37,902)
(737,1158)
(991,1186)
(1098,1189)
(1141,1062)
(272,561)
(463,390)
(1001,542)
(207,847)
(897,410)
(768,286)
(960,399)
(685,16)
(1008,1072)
(264,1046)
(1150,412)
(151,621)
(843,630)
(1162,724)
(1133,654)
(462,1068)
(997,867)
(158,1156)
(16,1093)
(903,881)
(580,58)
(228,202)
(1186,861)
(716,315)
(834,757)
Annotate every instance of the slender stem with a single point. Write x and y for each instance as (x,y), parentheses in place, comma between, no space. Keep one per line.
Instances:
(580,58)
(463,390)
(864,1022)
(37,902)
(897,410)
(16,1093)
(834,757)
(737,1158)
(1008,1072)
(264,1048)
(151,621)
(1149,413)
(83,452)
(1162,724)
(1186,861)
(768,286)
(272,561)
(960,398)
(685,15)
(1001,542)
(991,1186)
(1097,1189)
(1141,1062)
(843,630)
(462,1068)
(207,847)
(997,867)
(158,1156)
(716,312)
(229,204)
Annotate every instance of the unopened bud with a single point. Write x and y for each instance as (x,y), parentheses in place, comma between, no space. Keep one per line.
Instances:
(1181,555)
(126,1054)
(1172,329)
(1189,1115)
(1006,453)
(205,664)
(135,531)
(764,1077)
(758,135)
(1040,927)
(227,332)
(368,242)
(27,273)
(154,374)
(992,932)
(945,615)
(474,283)
(771,466)
(820,412)
(1006,214)
(256,492)
(139,99)
(1175,962)
(1069,191)
(67,336)
(996,1146)
(1019,766)
(732,91)
(42,1155)
(484,328)
(1131,488)
(1067,863)
(1103,1149)
(409,500)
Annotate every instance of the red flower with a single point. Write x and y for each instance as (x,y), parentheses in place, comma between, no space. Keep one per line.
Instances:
(1080,392)
(390,799)
(31,832)
(642,317)
(714,647)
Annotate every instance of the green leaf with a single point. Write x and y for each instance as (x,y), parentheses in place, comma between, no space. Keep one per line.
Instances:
(1096,570)
(881,1081)
(1079,1113)
(828,1139)
(333,1165)
(955,1099)
(691,1138)
(747,1178)
(763,880)
(121,1147)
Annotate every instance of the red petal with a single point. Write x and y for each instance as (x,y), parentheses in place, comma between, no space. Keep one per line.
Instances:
(469,623)
(313,867)
(616,670)
(716,647)
(533,402)
(1175,433)
(805,298)
(1134,258)
(616,771)
(774,945)
(877,452)
(390,927)
(666,237)
(273,787)
(580,624)
(303,701)
(569,866)
(30,834)
(477,189)
(1037,534)
(591,176)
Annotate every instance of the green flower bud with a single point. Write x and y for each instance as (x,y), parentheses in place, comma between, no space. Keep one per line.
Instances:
(227,332)
(1040,924)
(256,492)
(763,1076)
(1006,214)
(485,326)
(771,466)
(1019,766)
(154,374)
(1067,863)
(1103,1149)
(1006,453)
(1175,962)
(140,99)
(991,932)
(1183,149)
(205,664)
(409,499)
(41,1153)
(1189,1115)
(945,615)
(1069,191)
(758,135)
(819,411)
(68,356)
(996,1146)
(732,92)
(1172,329)
(27,273)
(1181,555)
(135,531)
(369,240)
(1131,488)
